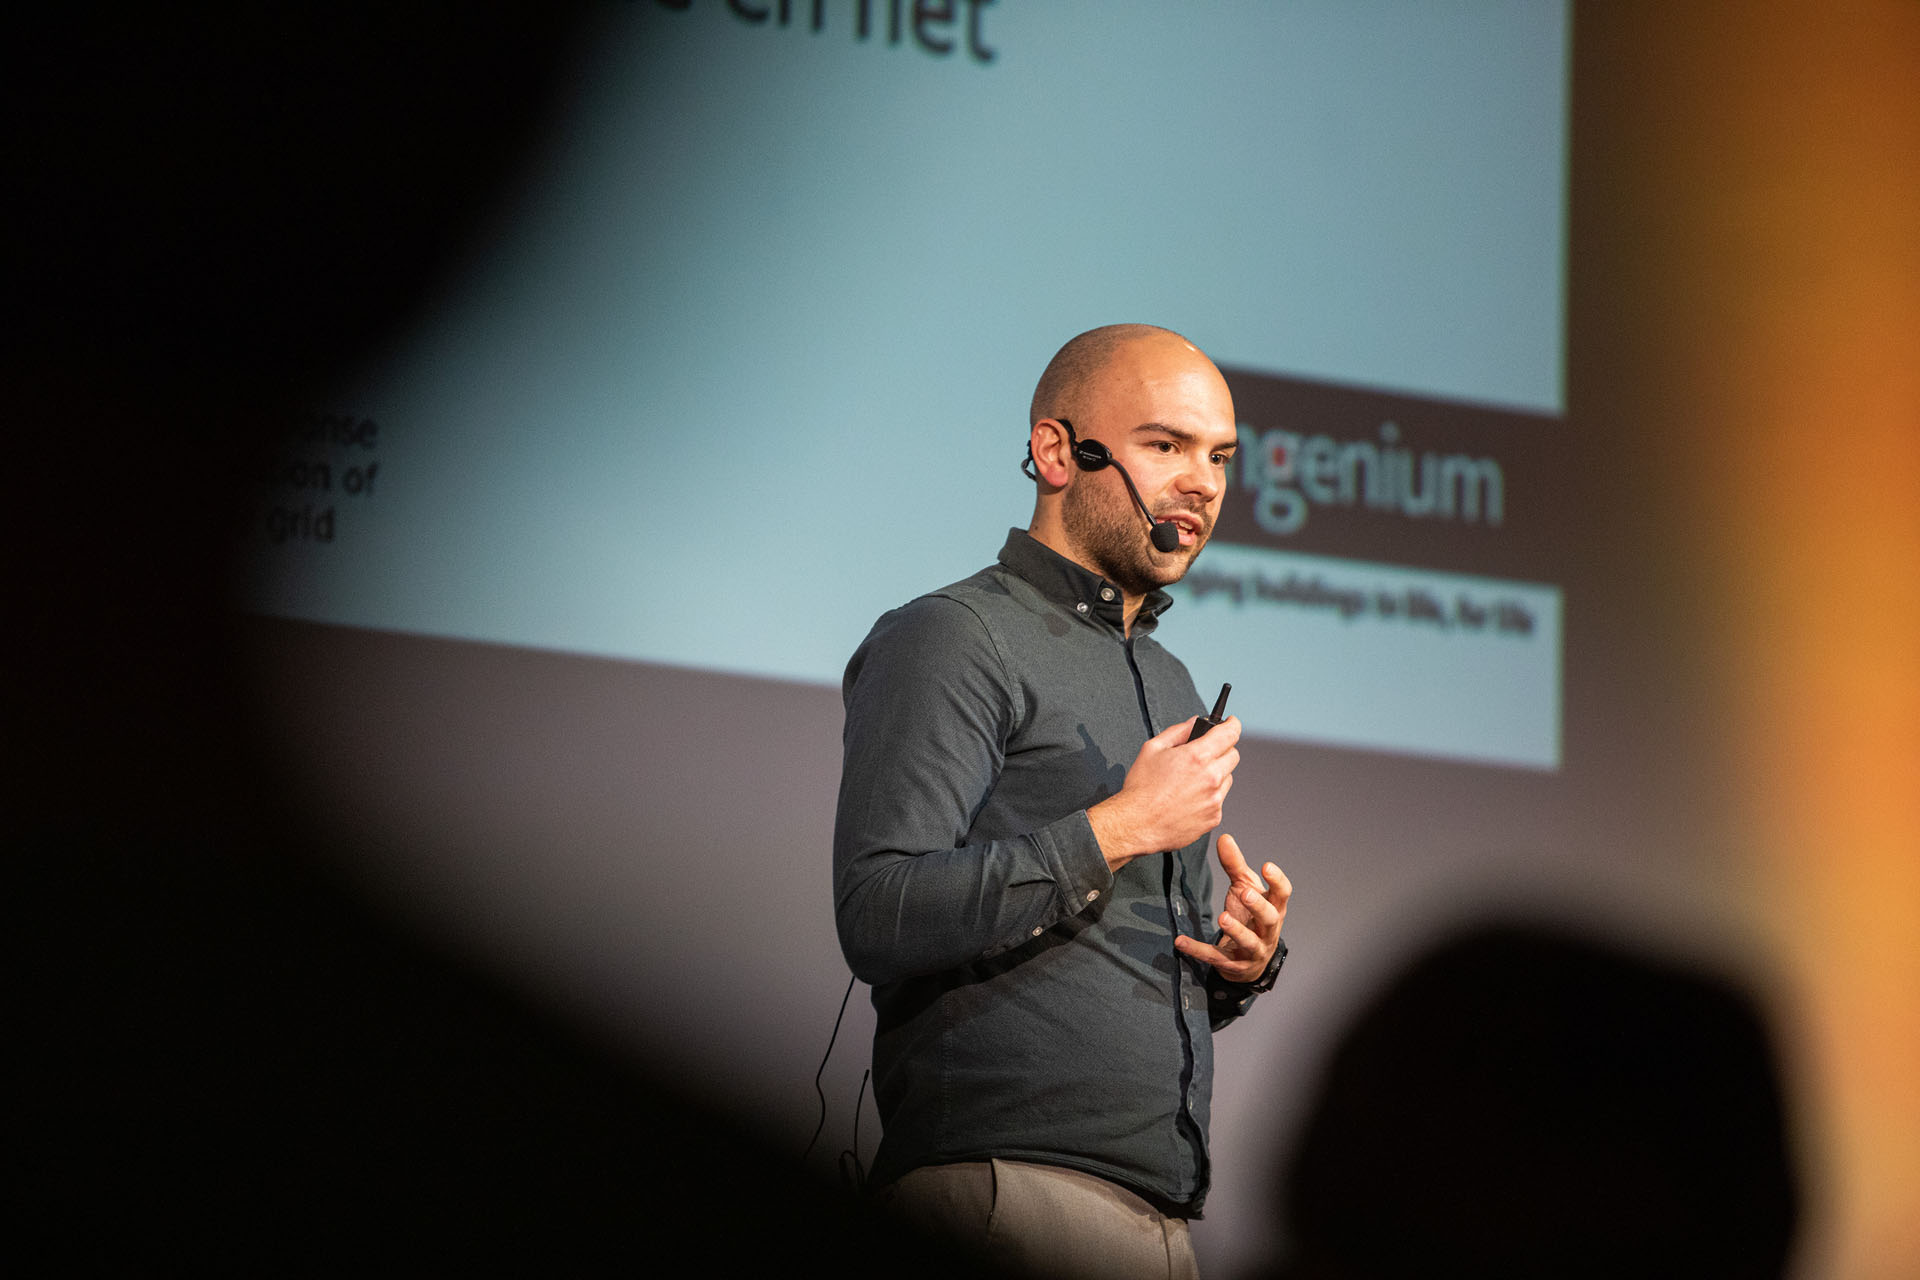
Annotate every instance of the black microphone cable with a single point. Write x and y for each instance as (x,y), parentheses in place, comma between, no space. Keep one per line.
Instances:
(855,1177)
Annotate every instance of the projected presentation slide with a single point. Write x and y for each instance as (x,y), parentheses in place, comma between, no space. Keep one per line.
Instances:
(744,360)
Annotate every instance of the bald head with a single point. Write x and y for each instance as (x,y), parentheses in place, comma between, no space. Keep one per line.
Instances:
(1063,387)
(1162,416)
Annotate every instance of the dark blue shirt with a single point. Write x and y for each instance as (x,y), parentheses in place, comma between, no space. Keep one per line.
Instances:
(1030,1004)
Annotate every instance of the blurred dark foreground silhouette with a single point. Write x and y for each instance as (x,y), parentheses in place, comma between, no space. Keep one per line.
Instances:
(224,1058)
(1522,1101)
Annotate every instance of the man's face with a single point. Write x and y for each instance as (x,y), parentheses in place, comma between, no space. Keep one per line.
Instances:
(1166,414)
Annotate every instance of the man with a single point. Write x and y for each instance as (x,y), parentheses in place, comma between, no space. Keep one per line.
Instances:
(1017,765)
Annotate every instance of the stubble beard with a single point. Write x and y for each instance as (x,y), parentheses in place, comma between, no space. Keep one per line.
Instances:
(1115,540)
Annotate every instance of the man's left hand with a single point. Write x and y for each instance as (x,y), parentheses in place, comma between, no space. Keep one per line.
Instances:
(1250,926)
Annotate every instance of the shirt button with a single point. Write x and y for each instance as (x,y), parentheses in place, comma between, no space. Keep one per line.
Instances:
(1106,593)
(1179,908)
(1185,1003)
(1081,607)
(1036,931)
(1219,995)
(1092,894)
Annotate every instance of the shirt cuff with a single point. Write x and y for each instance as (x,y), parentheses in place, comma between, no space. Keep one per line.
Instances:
(1079,868)
(1229,999)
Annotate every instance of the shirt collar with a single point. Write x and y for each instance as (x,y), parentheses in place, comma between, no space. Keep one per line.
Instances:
(1074,587)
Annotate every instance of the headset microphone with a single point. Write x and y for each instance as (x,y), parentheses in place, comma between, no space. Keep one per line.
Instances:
(1092,455)
(1165,535)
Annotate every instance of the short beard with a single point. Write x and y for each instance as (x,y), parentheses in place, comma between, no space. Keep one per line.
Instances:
(1115,539)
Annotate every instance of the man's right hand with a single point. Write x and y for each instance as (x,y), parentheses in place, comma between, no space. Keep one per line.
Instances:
(1172,795)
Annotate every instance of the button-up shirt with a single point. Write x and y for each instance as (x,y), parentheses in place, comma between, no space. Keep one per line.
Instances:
(1030,1003)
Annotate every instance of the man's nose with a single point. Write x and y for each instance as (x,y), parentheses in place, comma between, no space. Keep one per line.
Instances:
(1201,478)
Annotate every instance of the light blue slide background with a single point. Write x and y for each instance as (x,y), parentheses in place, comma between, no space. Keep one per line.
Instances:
(746,361)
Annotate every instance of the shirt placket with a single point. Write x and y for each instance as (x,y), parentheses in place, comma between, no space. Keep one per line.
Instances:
(1189,994)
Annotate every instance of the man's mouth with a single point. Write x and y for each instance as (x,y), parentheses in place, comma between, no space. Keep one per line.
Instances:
(1193,528)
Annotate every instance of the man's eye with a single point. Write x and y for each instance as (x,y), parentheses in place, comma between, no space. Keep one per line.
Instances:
(1222,459)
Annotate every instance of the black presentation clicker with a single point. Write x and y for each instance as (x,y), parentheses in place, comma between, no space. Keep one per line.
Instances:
(1218,714)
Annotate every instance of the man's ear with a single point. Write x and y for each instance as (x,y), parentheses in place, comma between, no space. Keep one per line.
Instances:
(1052,455)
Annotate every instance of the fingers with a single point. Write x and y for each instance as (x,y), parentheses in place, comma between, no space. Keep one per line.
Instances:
(1232,861)
(1250,940)
(1223,738)
(1233,968)
(1173,793)
(1250,923)
(1279,892)
(1261,908)
(1249,929)
(1240,875)
(1174,735)
(1167,739)
(1198,950)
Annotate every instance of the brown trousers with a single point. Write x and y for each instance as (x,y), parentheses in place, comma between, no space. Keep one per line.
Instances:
(1042,1220)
